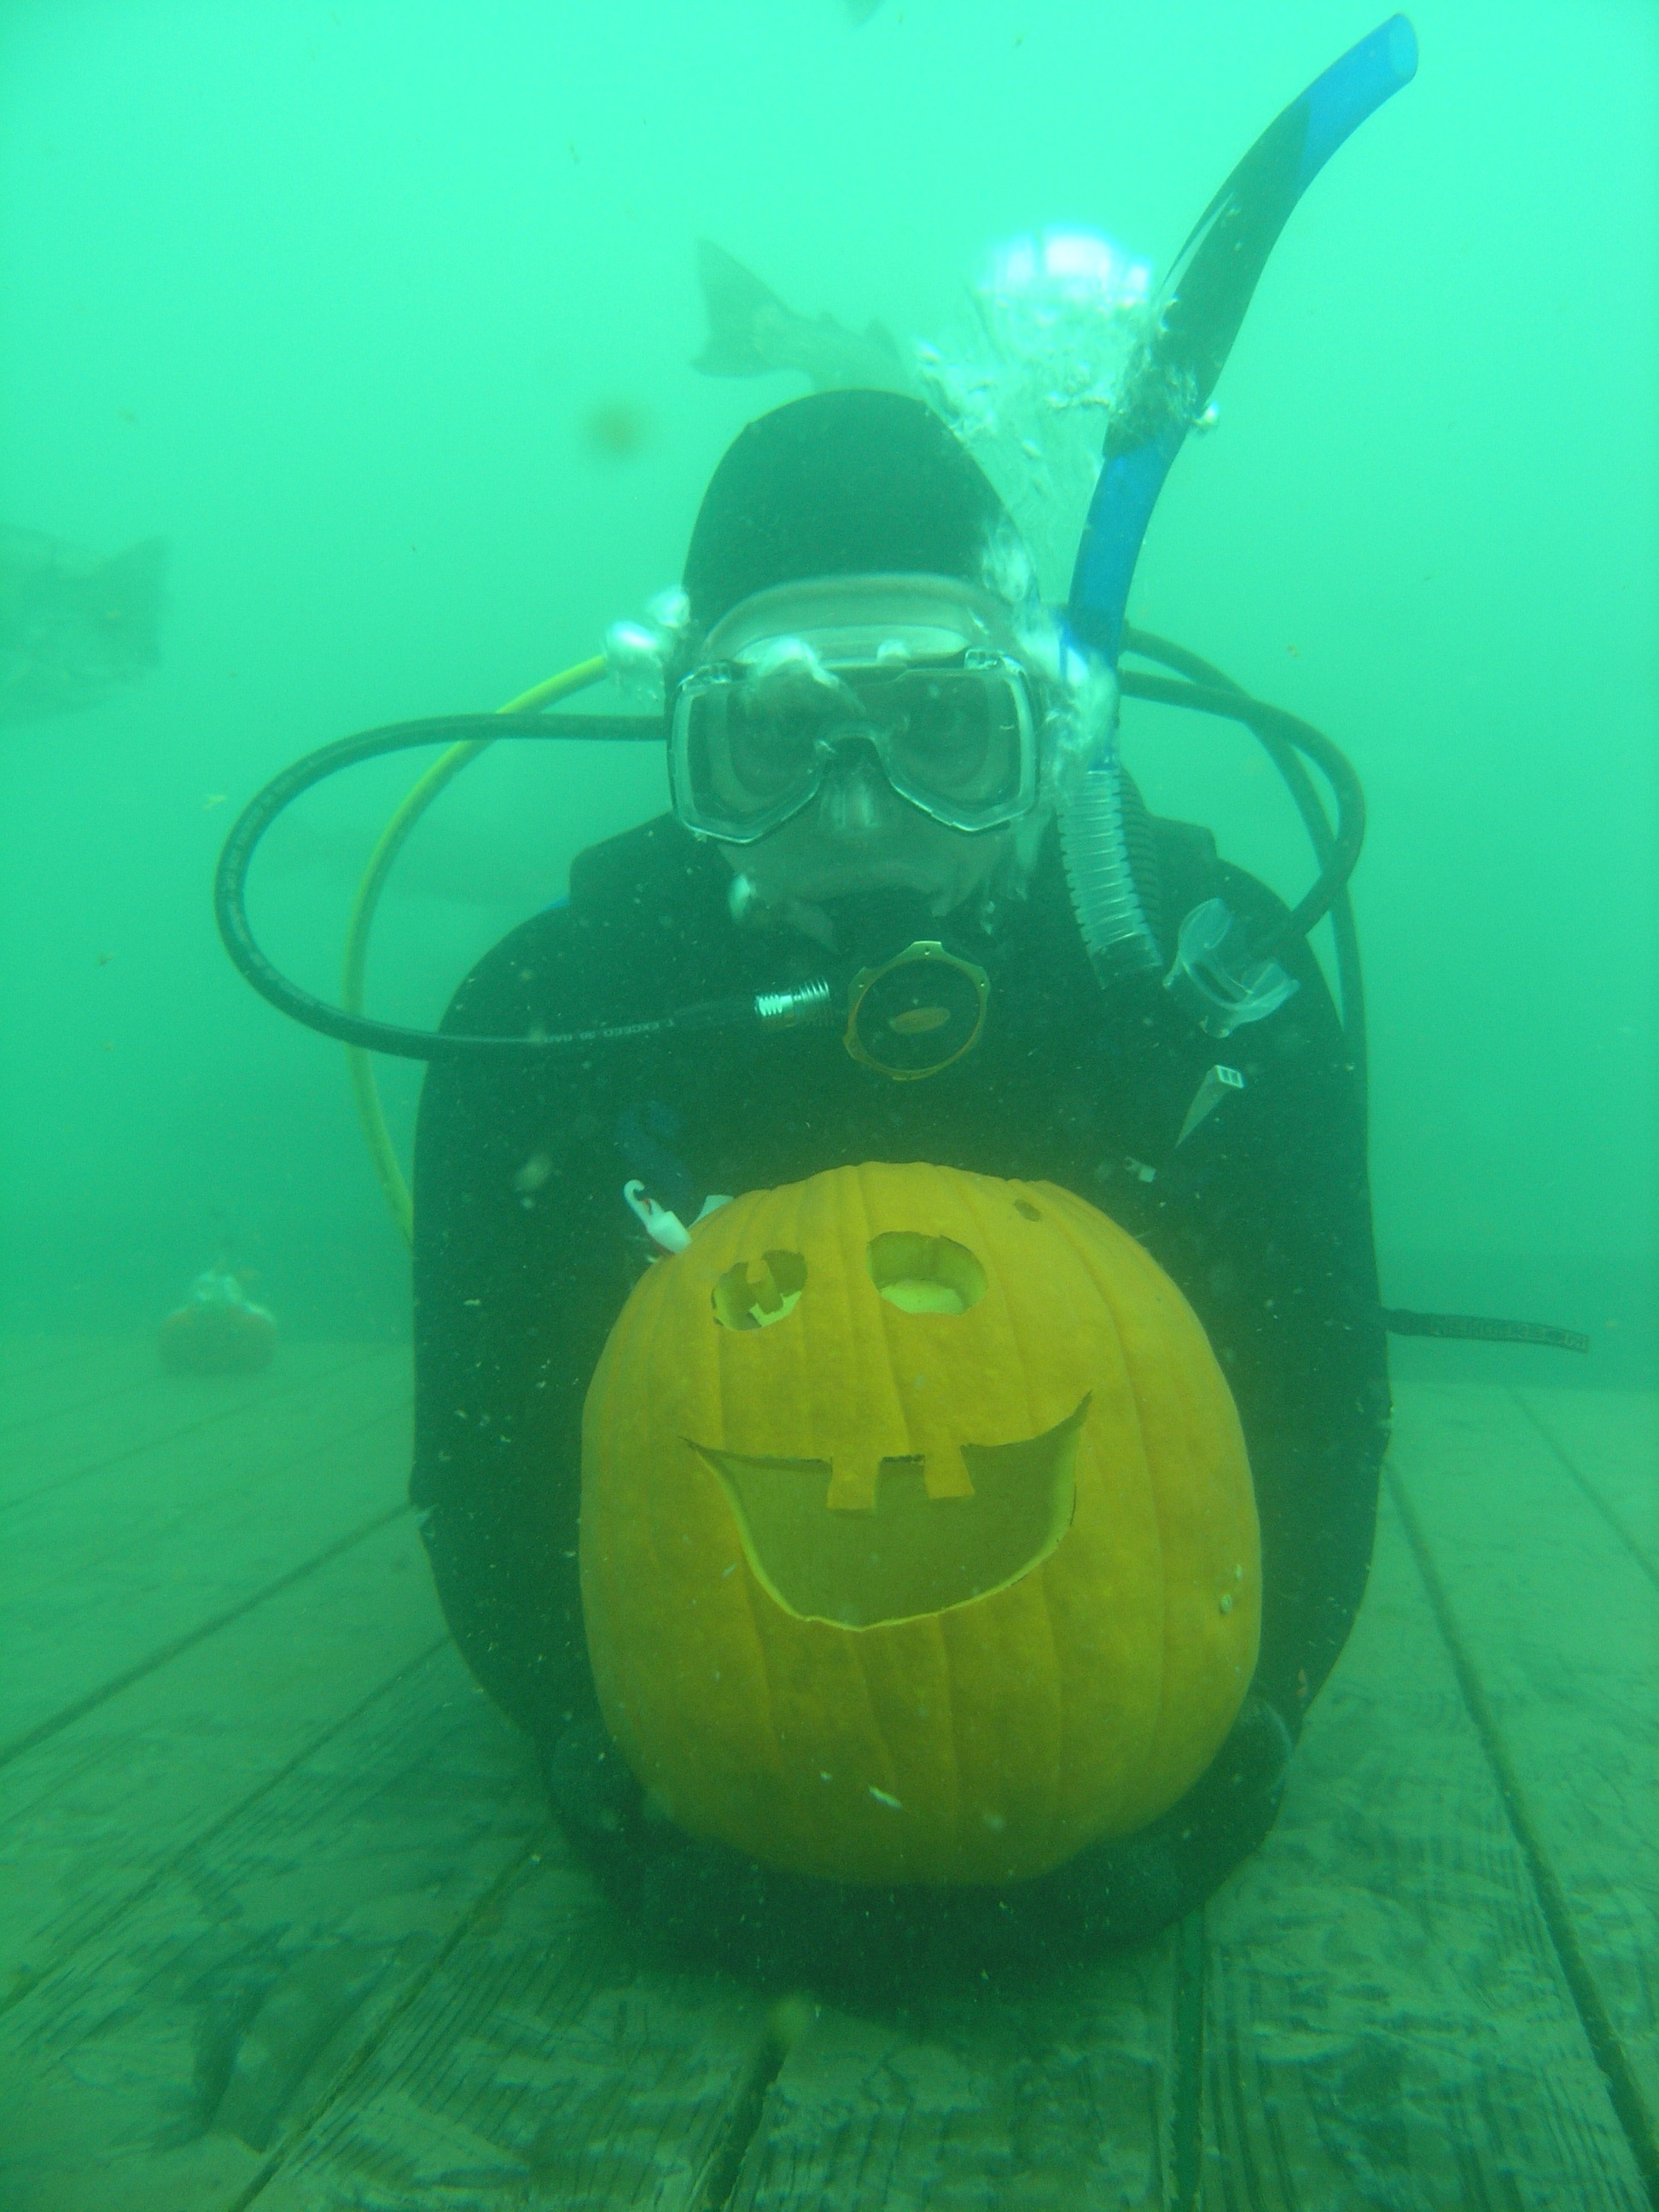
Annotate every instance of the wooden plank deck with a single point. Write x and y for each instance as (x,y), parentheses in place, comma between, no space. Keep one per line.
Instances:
(284,1924)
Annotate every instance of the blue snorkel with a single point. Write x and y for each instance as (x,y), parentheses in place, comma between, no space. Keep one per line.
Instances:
(1196,317)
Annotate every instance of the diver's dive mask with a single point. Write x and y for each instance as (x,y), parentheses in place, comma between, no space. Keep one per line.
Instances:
(921,671)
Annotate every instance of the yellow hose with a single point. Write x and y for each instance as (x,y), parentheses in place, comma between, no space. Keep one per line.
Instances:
(360,1065)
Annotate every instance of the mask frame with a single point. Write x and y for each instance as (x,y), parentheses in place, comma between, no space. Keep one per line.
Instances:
(845,702)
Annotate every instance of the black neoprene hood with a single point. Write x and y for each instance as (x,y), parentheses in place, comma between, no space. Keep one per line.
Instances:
(839,484)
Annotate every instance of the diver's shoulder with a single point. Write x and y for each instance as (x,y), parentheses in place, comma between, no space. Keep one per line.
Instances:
(656,861)
(630,898)
(1189,866)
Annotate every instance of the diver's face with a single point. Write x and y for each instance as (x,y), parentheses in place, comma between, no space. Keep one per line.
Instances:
(886,724)
(857,835)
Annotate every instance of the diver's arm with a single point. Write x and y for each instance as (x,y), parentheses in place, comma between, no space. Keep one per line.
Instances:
(517,1278)
(1309,1363)
(1263,1217)
(526,1251)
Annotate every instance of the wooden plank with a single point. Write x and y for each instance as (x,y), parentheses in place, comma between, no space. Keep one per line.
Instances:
(39,1352)
(150,1409)
(159,2070)
(1386,2022)
(544,2064)
(27,1351)
(101,1579)
(150,1496)
(1559,1624)
(91,1818)
(288,1990)
(1608,1441)
(68,1373)
(1053,2093)
(113,1395)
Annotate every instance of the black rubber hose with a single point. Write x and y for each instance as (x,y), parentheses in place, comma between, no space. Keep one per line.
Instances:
(1270,724)
(1311,807)
(1285,758)
(230,879)
(1478,1328)
(1206,691)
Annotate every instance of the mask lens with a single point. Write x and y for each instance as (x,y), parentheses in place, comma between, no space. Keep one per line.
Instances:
(955,739)
(748,751)
(771,732)
(957,735)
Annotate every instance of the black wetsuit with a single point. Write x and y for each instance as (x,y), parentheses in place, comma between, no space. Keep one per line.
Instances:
(525,1249)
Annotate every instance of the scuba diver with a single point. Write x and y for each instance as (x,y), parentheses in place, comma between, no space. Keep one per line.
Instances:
(867,744)
(908,906)
(889,762)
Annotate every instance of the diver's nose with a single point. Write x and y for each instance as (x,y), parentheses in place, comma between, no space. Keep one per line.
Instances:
(857,801)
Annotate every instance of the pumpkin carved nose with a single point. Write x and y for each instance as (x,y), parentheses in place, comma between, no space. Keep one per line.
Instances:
(756,1293)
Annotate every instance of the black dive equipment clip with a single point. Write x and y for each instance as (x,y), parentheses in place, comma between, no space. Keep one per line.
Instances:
(915,1014)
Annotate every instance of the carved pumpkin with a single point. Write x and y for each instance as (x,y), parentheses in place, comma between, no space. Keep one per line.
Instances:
(918,1540)
(217,1339)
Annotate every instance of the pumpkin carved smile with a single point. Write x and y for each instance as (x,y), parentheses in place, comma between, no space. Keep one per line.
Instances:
(921,1544)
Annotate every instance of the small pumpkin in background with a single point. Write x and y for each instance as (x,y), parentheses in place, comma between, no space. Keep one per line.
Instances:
(218,1330)
(918,1538)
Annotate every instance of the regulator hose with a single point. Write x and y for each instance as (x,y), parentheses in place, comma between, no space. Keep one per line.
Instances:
(1284,738)
(1206,690)
(230,878)
(354,960)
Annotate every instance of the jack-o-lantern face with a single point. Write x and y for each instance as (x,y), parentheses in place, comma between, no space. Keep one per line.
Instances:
(857,1540)
(918,1539)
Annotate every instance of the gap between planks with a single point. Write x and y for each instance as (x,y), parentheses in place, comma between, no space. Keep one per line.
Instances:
(166,2064)
(239,1525)
(1552,1623)
(1388,2021)
(426,2014)
(160,1409)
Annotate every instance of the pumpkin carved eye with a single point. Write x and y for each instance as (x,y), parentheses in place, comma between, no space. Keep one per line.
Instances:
(924,1274)
(757,1293)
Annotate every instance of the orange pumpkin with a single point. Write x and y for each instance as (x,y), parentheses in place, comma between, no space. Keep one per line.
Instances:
(204,1339)
(918,1539)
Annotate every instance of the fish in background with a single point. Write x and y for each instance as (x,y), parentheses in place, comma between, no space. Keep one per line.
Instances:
(752,333)
(74,625)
